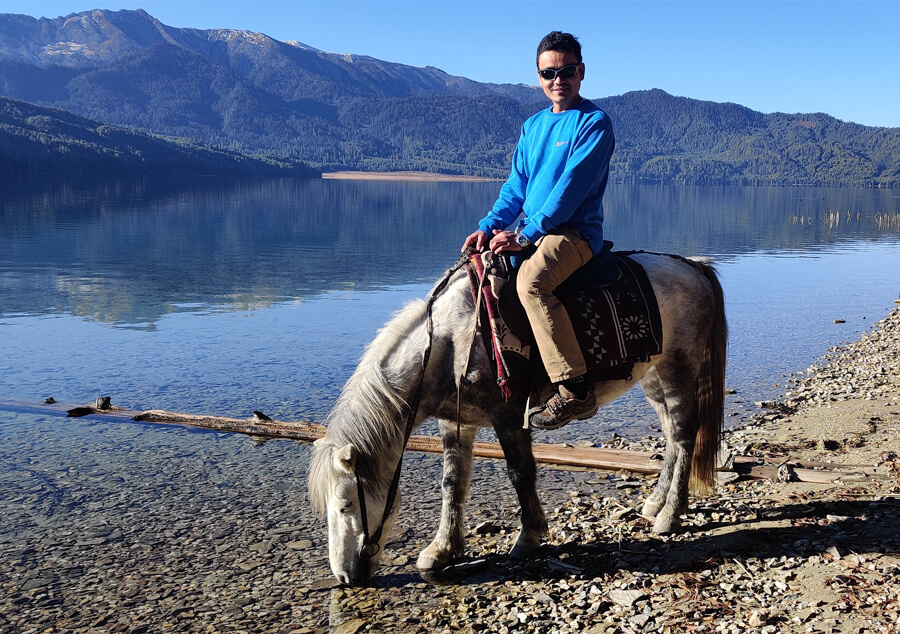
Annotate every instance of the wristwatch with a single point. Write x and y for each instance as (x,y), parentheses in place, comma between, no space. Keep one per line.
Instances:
(521,240)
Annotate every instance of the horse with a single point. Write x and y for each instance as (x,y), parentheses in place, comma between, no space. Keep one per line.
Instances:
(411,371)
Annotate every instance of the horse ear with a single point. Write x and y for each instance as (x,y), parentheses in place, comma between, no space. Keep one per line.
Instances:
(345,458)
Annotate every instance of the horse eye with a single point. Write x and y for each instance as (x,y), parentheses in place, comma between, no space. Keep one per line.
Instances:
(346,509)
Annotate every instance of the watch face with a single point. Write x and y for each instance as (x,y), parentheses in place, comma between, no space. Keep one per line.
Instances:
(522,240)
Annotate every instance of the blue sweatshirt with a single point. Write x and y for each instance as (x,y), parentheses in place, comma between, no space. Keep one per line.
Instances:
(559,173)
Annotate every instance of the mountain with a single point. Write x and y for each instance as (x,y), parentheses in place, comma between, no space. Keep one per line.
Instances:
(36,139)
(250,93)
(94,39)
(237,89)
(666,139)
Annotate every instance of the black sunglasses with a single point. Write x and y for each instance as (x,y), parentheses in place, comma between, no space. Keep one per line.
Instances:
(550,74)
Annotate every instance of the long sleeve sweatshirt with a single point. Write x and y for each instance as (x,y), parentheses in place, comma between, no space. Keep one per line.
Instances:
(559,173)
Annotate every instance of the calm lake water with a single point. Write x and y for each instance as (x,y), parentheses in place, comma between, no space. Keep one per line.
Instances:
(223,297)
(226,297)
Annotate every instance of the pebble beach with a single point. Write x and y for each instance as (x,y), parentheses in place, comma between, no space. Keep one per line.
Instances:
(195,531)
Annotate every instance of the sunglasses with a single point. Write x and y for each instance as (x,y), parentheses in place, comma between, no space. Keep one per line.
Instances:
(550,74)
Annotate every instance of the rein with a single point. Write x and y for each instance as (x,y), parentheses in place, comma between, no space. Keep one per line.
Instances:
(370,545)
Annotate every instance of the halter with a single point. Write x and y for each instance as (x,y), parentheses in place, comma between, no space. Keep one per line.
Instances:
(370,545)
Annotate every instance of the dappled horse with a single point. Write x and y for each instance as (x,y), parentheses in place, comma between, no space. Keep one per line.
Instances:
(411,371)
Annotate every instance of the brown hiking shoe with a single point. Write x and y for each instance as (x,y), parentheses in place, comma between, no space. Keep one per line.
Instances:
(562,408)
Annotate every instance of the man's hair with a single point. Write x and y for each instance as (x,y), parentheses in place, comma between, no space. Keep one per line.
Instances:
(562,42)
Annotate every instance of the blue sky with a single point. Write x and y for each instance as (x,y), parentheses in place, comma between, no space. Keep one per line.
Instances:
(810,56)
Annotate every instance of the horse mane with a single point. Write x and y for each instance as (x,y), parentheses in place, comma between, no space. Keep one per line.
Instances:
(369,411)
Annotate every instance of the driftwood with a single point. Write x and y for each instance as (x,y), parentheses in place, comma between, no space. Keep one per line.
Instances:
(561,455)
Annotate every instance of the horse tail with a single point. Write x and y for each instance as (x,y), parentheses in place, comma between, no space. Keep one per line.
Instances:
(710,389)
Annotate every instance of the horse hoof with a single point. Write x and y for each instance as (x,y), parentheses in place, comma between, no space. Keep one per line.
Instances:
(434,559)
(524,549)
(666,525)
(522,552)
(456,572)
(650,510)
(427,563)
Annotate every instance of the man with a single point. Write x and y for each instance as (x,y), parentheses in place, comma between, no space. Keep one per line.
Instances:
(559,173)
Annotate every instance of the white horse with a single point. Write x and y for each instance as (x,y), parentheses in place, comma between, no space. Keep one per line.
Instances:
(351,473)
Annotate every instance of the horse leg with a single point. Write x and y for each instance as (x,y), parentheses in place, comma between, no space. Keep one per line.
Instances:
(653,392)
(672,393)
(522,470)
(450,539)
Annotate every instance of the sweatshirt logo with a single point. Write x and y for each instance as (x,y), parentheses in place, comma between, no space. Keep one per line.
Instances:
(558,143)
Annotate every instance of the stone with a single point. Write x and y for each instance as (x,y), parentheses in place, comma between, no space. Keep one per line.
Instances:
(248,566)
(37,582)
(487,528)
(350,627)
(626,598)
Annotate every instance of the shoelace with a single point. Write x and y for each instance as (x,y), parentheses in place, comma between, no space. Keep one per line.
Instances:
(556,404)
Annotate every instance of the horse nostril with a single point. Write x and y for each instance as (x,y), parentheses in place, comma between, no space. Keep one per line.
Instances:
(360,574)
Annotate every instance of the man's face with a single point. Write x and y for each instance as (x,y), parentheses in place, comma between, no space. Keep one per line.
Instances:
(562,92)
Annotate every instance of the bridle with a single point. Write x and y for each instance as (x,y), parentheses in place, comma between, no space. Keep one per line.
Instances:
(370,546)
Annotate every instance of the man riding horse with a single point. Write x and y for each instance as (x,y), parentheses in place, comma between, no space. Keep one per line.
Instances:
(410,372)
(559,173)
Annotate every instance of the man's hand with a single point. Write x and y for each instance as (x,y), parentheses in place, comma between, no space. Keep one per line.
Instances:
(476,240)
(504,241)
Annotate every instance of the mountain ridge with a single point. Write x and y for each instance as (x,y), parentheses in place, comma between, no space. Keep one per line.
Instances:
(250,93)
(107,36)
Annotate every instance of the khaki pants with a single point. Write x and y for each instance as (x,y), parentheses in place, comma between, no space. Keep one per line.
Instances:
(558,255)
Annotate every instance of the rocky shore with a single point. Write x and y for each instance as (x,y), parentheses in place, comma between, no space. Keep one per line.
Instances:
(208,532)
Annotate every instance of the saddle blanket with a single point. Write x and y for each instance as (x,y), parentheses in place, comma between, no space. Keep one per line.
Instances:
(616,325)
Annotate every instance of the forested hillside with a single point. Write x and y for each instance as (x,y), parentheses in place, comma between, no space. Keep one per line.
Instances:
(35,139)
(661,138)
(251,94)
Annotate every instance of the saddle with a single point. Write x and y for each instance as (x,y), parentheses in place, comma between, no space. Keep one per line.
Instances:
(609,300)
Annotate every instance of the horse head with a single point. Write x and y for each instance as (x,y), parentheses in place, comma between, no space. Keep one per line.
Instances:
(338,490)
(355,469)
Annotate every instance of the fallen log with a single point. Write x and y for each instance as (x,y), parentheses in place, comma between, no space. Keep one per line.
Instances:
(263,426)
(565,455)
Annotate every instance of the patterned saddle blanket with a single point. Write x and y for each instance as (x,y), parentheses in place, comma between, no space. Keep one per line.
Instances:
(617,324)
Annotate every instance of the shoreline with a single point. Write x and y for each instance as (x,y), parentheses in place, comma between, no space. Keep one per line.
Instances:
(424,177)
(777,555)
(220,536)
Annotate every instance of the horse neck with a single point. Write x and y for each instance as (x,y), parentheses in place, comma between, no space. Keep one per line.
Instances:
(372,410)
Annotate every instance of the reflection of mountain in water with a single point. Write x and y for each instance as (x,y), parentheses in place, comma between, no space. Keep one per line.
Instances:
(733,220)
(131,251)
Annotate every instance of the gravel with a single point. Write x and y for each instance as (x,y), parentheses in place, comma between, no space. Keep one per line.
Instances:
(116,527)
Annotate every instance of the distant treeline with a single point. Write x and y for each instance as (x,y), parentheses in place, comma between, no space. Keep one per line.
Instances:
(35,139)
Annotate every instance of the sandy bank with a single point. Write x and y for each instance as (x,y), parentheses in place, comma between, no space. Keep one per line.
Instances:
(406,176)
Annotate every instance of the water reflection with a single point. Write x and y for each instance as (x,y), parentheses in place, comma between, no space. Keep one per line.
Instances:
(131,251)
(738,220)
(136,251)
(182,270)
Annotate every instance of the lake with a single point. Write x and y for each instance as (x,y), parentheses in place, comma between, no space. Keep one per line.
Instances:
(221,296)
